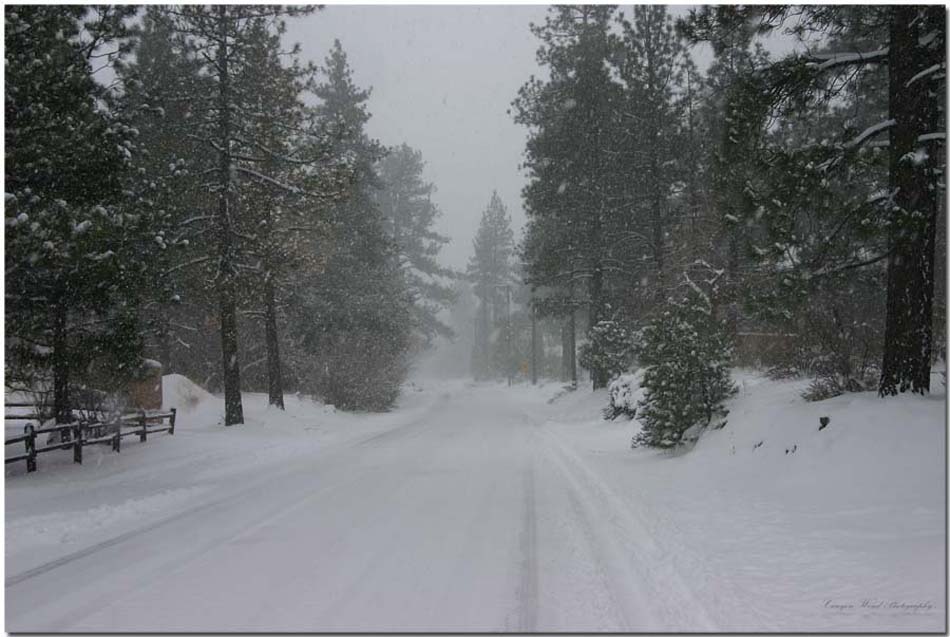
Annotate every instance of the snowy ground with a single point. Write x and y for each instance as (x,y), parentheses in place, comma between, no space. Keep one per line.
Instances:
(484,508)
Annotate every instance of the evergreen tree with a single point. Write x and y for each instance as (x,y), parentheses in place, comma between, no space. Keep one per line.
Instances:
(286,211)
(160,82)
(405,202)
(571,199)
(610,346)
(735,132)
(910,42)
(652,64)
(226,38)
(490,270)
(354,313)
(685,353)
(79,235)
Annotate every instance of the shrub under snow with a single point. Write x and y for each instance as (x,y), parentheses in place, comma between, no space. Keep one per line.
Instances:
(609,349)
(686,355)
(623,395)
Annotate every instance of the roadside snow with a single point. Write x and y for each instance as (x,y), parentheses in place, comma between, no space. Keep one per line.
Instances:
(778,526)
(477,507)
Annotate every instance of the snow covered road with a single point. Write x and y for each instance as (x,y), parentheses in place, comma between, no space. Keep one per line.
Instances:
(474,512)
(466,518)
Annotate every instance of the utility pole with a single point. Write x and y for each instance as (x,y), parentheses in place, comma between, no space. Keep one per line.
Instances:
(508,361)
(508,329)
(475,363)
(534,346)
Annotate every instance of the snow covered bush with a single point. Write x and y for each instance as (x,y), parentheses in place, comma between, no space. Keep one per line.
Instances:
(623,394)
(357,342)
(686,355)
(840,337)
(608,351)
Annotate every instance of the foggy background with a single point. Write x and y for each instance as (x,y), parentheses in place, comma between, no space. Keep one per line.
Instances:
(442,79)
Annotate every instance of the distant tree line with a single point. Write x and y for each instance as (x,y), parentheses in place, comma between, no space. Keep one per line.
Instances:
(798,196)
(217,205)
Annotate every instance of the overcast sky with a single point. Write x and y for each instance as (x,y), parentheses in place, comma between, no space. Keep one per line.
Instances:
(443,78)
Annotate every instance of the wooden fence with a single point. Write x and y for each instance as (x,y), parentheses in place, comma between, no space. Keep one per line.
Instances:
(82,433)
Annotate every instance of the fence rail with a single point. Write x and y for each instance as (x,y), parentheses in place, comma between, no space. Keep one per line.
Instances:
(83,433)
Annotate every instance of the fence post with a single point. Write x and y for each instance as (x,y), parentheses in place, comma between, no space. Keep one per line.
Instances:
(117,440)
(77,445)
(143,435)
(171,430)
(30,448)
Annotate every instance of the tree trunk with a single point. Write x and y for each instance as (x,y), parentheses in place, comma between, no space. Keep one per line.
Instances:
(598,376)
(534,345)
(233,409)
(908,332)
(165,345)
(565,350)
(732,285)
(572,338)
(61,410)
(275,383)
(485,362)
(659,254)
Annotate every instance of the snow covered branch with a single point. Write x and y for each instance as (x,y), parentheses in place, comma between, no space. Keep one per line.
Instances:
(930,137)
(832,60)
(927,71)
(187,264)
(270,180)
(869,132)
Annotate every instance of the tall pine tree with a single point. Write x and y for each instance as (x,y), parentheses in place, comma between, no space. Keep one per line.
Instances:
(79,233)
(490,270)
(909,42)
(570,157)
(405,201)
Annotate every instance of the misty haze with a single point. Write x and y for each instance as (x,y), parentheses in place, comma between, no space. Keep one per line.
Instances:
(527,319)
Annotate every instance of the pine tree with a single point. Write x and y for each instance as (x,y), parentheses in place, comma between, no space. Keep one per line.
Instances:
(287,208)
(405,201)
(909,41)
(610,346)
(160,83)
(735,130)
(490,270)
(685,353)
(353,310)
(225,37)
(79,236)
(652,63)
(571,198)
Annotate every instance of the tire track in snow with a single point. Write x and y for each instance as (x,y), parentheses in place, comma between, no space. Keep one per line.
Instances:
(578,564)
(34,577)
(13,580)
(528,589)
(617,588)
(654,589)
(167,568)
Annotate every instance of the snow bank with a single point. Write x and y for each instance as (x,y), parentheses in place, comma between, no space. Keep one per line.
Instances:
(779,526)
(182,394)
